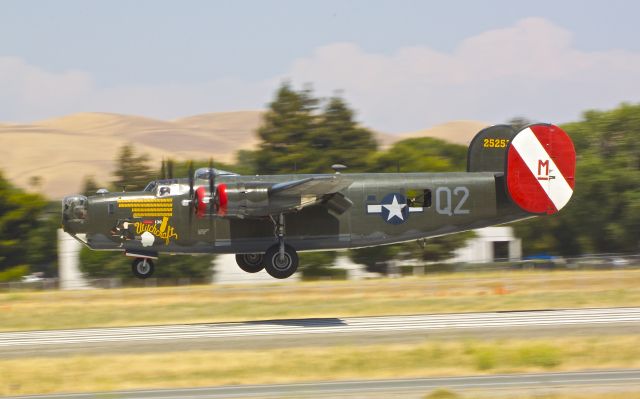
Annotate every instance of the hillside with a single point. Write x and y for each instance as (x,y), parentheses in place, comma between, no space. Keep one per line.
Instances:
(62,151)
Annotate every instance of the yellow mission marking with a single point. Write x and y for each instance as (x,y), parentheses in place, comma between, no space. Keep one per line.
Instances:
(153,207)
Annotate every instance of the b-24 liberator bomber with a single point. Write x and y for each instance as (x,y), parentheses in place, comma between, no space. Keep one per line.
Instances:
(266,220)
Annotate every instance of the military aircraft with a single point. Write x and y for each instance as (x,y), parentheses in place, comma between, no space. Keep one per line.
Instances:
(265,220)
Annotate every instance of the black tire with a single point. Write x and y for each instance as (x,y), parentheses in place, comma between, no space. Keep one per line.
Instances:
(250,263)
(142,267)
(281,268)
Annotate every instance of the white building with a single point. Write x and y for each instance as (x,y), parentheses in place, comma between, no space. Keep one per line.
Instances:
(491,244)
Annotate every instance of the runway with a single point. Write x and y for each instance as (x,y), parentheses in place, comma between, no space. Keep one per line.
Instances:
(271,333)
(617,380)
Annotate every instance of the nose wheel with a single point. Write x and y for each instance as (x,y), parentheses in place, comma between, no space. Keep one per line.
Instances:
(142,267)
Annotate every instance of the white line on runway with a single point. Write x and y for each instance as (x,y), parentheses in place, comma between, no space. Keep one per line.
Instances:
(426,323)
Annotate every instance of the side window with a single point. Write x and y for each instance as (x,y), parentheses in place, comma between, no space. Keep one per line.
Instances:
(419,197)
(426,195)
(163,191)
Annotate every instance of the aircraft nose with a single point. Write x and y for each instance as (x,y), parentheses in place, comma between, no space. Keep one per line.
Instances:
(74,213)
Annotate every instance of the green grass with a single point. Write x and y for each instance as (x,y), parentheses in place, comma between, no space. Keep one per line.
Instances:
(462,292)
(297,364)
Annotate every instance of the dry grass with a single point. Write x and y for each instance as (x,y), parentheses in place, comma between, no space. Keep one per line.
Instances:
(57,149)
(435,294)
(211,368)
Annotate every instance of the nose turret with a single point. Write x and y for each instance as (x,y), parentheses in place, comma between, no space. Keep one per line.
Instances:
(74,213)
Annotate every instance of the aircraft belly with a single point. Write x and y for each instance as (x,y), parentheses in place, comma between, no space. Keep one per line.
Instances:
(310,228)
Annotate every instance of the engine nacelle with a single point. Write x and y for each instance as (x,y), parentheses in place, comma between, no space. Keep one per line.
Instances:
(243,200)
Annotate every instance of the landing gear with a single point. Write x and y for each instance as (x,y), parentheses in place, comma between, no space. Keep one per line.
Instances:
(142,267)
(280,260)
(281,264)
(250,263)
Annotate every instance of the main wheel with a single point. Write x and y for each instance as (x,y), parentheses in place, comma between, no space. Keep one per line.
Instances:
(142,267)
(250,263)
(281,267)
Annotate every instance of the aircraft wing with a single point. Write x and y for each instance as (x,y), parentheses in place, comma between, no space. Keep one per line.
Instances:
(315,185)
(298,194)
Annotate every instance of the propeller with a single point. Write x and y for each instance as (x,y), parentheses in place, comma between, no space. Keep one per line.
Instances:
(212,188)
(191,197)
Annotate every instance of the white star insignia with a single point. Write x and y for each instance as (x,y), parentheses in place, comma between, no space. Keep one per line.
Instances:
(395,209)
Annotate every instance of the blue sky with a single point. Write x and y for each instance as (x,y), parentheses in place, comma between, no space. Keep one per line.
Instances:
(403,65)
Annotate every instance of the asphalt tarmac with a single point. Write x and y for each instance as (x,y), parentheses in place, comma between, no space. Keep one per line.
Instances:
(320,331)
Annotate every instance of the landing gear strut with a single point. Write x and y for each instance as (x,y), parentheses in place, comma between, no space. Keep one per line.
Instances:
(142,267)
(280,260)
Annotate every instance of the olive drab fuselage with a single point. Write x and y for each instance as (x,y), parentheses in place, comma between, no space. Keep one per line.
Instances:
(386,208)
(265,220)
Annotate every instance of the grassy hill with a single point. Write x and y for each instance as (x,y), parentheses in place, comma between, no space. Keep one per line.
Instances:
(62,151)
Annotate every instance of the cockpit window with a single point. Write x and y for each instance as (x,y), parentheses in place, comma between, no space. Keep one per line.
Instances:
(151,186)
(203,173)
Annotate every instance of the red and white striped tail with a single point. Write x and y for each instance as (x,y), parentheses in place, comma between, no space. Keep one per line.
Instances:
(540,171)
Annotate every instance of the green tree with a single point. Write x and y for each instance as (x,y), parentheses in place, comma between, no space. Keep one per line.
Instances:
(20,221)
(285,131)
(318,265)
(89,186)
(438,249)
(132,171)
(299,136)
(337,138)
(372,256)
(108,264)
(519,122)
(42,244)
(423,154)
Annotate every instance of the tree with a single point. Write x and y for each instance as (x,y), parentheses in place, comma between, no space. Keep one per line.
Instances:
(285,131)
(298,136)
(318,264)
(519,122)
(89,186)
(371,257)
(181,169)
(337,138)
(109,264)
(423,154)
(42,244)
(20,221)
(132,171)
(438,249)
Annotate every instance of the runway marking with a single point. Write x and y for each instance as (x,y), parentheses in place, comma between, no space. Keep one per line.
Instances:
(426,323)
